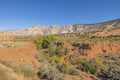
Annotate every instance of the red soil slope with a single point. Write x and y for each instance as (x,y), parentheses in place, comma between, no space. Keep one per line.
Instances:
(22,54)
(95,49)
(92,50)
(101,48)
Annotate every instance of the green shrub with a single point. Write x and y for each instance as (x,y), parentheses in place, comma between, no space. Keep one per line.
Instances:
(74,71)
(111,72)
(94,77)
(38,43)
(51,50)
(25,71)
(91,66)
(111,68)
(44,41)
(48,72)
(66,50)
(78,60)
(59,51)
(60,77)
(56,59)
(28,73)
(63,67)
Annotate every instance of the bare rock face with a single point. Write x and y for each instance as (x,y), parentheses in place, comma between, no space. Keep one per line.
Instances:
(57,29)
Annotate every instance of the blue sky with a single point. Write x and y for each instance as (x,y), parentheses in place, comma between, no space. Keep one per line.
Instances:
(15,14)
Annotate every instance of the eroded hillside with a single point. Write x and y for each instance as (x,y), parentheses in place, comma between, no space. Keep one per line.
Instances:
(79,52)
(57,29)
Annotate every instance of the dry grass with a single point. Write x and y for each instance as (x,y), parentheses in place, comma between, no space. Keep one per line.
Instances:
(8,74)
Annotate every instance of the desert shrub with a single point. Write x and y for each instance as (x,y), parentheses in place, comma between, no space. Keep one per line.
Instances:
(91,66)
(28,73)
(84,65)
(63,67)
(44,41)
(73,57)
(55,51)
(94,77)
(111,68)
(25,71)
(38,43)
(42,56)
(74,71)
(60,77)
(59,51)
(48,72)
(66,50)
(78,60)
(56,59)
(51,50)
(111,72)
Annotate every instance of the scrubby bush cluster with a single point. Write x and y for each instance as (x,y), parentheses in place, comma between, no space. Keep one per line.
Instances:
(53,54)
(25,71)
(58,50)
(45,41)
(111,67)
(91,66)
(53,48)
(111,72)
(49,72)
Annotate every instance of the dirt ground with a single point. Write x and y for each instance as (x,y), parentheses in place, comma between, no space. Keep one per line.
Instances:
(19,53)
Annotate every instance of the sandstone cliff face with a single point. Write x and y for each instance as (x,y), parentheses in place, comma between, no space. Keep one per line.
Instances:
(56,29)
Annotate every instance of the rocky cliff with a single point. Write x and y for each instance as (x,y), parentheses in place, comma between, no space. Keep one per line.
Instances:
(56,29)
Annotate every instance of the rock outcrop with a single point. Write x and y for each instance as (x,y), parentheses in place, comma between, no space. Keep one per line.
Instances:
(56,29)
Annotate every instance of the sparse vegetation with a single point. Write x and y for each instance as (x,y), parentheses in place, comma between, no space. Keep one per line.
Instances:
(87,38)
(25,71)
(91,66)
(55,49)
(110,68)
(48,72)
(59,60)
(74,71)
